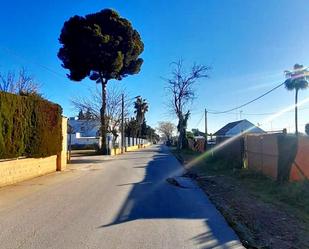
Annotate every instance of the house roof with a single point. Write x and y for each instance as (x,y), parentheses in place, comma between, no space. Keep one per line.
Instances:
(197,133)
(227,127)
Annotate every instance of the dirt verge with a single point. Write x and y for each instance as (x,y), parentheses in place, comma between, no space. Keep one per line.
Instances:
(258,223)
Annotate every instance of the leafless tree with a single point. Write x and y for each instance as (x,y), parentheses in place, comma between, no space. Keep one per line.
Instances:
(166,129)
(91,107)
(180,86)
(22,84)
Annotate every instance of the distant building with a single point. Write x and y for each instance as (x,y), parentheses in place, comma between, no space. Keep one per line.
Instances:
(236,128)
(198,134)
(83,132)
(86,128)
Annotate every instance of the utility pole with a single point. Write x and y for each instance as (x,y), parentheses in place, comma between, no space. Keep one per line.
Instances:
(122,124)
(206,127)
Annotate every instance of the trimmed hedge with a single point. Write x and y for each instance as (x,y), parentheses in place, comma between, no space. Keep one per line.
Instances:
(29,126)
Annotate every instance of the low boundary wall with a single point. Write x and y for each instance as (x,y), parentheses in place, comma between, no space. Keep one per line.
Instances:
(132,148)
(136,147)
(115,151)
(16,170)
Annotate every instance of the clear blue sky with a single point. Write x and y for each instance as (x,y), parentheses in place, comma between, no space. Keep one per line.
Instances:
(248,44)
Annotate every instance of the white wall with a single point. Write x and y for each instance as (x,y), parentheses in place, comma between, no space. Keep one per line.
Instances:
(84,127)
(77,139)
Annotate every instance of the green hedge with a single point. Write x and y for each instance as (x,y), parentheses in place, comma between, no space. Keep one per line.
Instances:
(29,126)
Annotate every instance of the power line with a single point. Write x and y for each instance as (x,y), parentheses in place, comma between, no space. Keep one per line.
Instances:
(198,123)
(18,56)
(258,114)
(249,102)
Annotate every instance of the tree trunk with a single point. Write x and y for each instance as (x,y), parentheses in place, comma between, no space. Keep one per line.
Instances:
(70,147)
(179,143)
(296,112)
(140,134)
(103,117)
(180,130)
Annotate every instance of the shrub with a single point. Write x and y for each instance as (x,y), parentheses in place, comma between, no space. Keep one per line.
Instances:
(219,163)
(29,126)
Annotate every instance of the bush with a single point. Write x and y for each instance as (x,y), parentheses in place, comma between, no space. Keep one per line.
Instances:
(219,163)
(29,126)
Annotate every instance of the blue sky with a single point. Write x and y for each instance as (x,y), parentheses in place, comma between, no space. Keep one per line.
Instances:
(247,43)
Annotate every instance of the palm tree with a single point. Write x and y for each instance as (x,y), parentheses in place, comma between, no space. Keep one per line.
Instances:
(141,107)
(296,80)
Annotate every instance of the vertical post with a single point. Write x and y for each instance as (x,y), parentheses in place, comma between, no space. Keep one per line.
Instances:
(70,147)
(296,114)
(122,123)
(107,147)
(62,155)
(151,137)
(206,131)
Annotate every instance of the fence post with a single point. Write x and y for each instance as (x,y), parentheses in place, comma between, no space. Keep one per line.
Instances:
(62,156)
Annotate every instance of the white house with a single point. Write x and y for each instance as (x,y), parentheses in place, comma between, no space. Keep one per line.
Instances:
(87,132)
(83,132)
(87,128)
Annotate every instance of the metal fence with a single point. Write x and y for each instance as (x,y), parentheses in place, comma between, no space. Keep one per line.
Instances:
(128,141)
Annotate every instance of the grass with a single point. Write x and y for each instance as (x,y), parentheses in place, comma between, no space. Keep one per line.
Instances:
(208,166)
(285,206)
(294,196)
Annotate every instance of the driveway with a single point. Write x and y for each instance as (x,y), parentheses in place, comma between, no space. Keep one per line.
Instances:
(121,202)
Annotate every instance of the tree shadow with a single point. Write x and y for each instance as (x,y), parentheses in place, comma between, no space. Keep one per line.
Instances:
(155,198)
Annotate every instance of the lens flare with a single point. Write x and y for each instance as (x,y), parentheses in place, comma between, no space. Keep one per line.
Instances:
(231,139)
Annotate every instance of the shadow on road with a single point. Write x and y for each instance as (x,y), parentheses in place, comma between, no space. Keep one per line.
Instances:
(85,161)
(154,198)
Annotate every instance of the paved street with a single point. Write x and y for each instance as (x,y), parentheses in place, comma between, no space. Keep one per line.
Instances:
(123,202)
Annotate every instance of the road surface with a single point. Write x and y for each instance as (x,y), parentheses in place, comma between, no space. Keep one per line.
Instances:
(124,202)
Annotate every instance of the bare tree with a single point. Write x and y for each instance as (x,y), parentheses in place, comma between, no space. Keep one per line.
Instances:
(166,129)
(180,86)
(22,84)
(91,107)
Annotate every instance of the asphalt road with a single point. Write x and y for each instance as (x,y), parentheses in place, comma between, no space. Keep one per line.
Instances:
(124,202)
